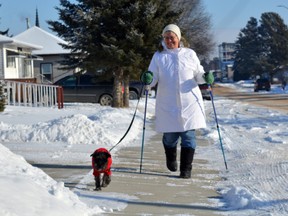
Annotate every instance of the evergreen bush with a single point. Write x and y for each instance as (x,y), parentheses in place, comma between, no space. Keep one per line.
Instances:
(2,97)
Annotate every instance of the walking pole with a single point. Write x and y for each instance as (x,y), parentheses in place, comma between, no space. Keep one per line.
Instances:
(144,124)
(216,120)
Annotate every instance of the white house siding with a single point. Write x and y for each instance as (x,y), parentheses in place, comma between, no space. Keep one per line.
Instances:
(20,51)
(10,72)
(23,65)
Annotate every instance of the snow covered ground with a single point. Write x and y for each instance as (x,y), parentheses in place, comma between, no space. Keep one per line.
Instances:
(255,141)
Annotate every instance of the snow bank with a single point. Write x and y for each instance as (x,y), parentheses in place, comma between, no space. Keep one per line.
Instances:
(33,192)
(74,129)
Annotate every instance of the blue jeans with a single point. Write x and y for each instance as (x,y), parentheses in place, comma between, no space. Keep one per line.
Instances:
(188,139)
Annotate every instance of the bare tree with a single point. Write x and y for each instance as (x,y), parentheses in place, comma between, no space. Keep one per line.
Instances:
(196,25)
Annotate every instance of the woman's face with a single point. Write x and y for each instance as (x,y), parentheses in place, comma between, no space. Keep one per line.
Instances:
(171,40)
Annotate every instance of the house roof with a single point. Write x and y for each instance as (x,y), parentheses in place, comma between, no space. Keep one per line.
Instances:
(49,42)
(18,42)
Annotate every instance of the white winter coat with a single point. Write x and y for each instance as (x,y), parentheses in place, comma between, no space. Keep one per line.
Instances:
(179,103)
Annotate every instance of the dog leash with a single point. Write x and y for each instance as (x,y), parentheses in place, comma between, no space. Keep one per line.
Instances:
(129,125)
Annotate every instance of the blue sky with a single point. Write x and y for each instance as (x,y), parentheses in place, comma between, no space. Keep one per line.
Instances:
(227,16)
(13,14)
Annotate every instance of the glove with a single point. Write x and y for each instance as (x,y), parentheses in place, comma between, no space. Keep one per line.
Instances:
(146,77)
(209,78)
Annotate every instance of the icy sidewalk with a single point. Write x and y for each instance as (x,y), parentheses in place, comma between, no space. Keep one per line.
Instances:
(154,191)
(157,191)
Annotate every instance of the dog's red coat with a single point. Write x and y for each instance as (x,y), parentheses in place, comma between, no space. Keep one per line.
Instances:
(107,171)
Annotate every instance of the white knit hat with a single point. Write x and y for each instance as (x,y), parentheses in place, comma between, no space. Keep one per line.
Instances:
(174,28)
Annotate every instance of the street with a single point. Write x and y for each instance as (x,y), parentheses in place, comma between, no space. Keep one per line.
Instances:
(277,102)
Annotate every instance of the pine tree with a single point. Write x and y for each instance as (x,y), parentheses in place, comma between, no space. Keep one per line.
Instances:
(120,36)
(261,49)
(37,19)
(274,34)
(248,54)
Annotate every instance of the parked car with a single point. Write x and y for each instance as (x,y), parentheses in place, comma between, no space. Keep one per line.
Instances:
(93,89)
(204,88)
(262,84)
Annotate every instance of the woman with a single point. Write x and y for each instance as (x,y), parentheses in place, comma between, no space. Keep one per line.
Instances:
(179,103)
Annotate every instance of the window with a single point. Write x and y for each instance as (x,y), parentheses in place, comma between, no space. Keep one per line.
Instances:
(70,81)
(28,68)
(11,58)
(46,70)
(11,62)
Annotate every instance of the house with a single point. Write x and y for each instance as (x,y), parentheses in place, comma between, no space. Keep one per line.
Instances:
(49,69)
(16,58)
(226,57)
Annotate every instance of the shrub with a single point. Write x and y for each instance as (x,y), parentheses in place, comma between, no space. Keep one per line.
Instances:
(2,97)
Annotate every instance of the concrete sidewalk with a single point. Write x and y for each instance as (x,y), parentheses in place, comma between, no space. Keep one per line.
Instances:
(160,191)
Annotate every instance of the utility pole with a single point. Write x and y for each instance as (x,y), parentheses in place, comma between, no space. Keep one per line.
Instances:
(27,23)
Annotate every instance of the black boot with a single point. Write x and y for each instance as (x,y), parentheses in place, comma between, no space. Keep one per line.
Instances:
(186,160)
(171,155)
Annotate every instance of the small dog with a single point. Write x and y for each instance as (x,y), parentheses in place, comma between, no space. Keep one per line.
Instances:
(101,163)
